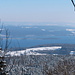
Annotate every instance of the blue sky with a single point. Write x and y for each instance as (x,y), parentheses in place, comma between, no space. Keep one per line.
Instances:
(37,11)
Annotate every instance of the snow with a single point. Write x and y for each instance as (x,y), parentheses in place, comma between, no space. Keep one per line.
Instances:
(43,29)
(70,29)
(73,32)
(26,27)
(43,48)
(1,53)
(32,51)
(72,53)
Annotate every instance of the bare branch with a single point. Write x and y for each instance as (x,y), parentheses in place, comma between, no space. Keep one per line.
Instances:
(73,3)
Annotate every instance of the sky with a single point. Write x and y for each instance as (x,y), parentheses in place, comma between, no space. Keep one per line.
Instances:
(37,11)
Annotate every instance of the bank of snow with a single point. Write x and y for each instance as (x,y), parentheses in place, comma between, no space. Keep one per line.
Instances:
(72,52)
(32,51)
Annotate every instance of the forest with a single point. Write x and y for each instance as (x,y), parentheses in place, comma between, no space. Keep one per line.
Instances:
(41,65)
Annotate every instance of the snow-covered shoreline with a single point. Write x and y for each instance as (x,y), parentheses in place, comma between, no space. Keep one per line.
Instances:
(32,51)
(71,30)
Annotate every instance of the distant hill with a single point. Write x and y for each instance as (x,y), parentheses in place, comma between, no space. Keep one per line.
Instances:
(65,50)
(54,49)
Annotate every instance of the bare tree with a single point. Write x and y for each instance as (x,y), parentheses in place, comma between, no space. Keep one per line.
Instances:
(73,4)
(7,41)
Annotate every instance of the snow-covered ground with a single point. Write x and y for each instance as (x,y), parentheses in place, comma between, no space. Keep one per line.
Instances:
(71,30)
(72,53)
(32,51)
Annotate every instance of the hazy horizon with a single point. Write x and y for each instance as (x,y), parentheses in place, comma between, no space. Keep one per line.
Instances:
(37,24)
(59,11)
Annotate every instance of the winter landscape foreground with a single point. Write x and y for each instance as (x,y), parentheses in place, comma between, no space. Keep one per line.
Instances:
(37,37)
(40,50)
(41,65)
(39,61)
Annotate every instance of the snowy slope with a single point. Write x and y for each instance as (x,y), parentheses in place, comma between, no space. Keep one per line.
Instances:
(32,51)
(72,52)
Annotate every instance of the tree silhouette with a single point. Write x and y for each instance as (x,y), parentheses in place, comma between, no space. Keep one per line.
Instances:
(73,4)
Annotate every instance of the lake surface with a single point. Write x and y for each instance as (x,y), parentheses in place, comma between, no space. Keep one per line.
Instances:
(28,36)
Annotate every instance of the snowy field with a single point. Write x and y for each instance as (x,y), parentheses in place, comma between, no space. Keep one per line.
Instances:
(32,51)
